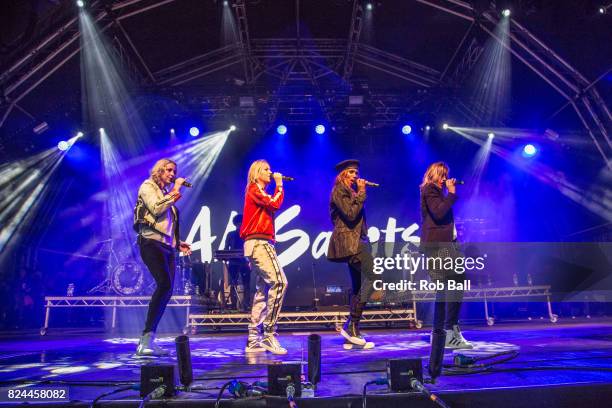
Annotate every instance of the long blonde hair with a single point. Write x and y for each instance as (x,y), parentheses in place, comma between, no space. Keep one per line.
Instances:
(435,173)
(342,177)
(254,171)
(158,169)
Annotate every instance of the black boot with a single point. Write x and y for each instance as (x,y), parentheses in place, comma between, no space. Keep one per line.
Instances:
(350,331)
(436,357)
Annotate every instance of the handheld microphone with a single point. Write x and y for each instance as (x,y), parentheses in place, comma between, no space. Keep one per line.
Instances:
(185,183)
(371,184)
(457,182)
(287,178)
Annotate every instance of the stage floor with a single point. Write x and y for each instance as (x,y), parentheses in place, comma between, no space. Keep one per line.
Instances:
(566,354)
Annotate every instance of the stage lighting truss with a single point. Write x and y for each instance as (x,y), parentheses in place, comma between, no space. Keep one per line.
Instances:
(315,57)
(549,66)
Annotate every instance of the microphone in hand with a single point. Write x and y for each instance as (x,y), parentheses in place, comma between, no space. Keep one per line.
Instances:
(457,182)
(185,183)
(371,184)
(287,178)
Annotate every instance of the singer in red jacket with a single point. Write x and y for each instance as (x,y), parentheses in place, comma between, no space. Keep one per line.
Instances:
(257,231)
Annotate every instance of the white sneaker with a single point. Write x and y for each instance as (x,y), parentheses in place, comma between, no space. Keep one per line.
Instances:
(148,348)
(271,344)
(253,346)
(455,340)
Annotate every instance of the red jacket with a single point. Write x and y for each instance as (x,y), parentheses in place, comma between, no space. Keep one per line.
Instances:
(258,214)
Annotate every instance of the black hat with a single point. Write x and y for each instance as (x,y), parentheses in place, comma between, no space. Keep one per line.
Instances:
(345,164)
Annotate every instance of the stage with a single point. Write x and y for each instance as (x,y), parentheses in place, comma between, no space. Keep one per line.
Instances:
(563,364)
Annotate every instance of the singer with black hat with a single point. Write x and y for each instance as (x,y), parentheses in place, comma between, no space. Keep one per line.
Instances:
(349,243)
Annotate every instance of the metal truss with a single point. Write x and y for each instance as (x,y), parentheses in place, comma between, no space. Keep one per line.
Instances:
(199,66)
(396,66)
(57,48)
(382,316)
(335,318)
(353,39)
(114,302)
(250,65)
(491,294)
(581,94)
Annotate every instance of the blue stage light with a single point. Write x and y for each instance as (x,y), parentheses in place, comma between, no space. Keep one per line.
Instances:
(406,129)
(320,129)
(194,131)
(529,150)
(63,145)
(281,129)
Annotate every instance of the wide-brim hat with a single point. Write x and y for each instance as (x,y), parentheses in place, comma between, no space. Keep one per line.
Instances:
(345,164)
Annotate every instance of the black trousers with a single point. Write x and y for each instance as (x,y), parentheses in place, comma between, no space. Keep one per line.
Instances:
(160,260)
(361,267)
(448,302)
(447,306)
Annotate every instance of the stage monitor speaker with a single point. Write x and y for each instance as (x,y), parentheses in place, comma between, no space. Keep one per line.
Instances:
(154,375)
(401,370)
(280,376)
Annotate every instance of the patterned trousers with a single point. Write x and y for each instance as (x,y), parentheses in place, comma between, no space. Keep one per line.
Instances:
(270,283)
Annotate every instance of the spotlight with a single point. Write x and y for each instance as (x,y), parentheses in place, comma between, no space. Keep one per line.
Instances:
(194,131)
(506,13)
(491,135)
(80,3)
(428,128)
(320,129)
(172,131)
(63,145)
(369,6)
(406,129)
(445,126)
(281,129)
(602,10)
(225,3)
(232,128)
(79,134)
(529,150)
(102,130)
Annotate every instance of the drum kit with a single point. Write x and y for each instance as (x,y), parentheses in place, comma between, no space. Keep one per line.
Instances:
(125,275)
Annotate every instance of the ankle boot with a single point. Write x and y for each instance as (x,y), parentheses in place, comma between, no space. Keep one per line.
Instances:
(436,357)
